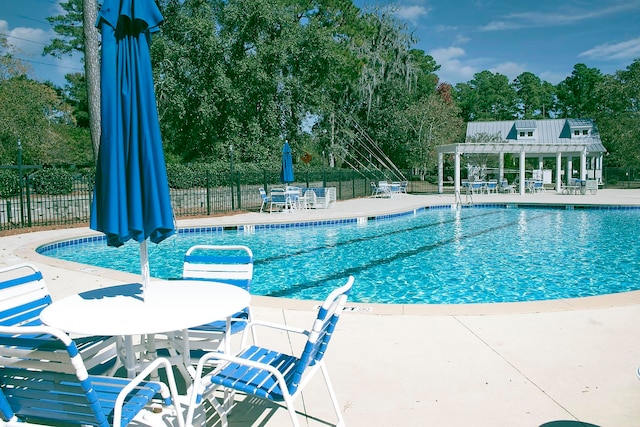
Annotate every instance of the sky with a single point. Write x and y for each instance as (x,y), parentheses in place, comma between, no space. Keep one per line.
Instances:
(546,37)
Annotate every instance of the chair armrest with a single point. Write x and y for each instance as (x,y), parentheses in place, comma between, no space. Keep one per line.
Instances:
(278,326)
(169,393)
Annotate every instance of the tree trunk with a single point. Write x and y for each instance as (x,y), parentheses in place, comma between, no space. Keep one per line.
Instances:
(92,71)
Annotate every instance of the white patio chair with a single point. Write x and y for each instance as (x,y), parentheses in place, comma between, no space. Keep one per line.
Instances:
(23,296)
(33,389)
(309,199)
(268,373)
(278,199)
(232,264)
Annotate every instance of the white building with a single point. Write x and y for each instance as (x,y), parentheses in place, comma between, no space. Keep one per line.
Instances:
(574,144)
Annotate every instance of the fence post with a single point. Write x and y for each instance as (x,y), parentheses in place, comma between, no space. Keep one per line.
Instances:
(208,182)
(264,180)
(238,190)
(339,184)
(27,186)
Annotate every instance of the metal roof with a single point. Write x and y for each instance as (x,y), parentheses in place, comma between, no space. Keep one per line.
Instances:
(549,137)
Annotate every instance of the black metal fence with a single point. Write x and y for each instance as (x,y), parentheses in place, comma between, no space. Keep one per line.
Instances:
(241,193)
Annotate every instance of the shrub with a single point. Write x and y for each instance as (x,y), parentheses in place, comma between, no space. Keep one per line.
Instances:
(9,183)
(52,181)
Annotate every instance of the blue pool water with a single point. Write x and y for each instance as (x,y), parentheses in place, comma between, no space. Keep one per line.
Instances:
(433,256)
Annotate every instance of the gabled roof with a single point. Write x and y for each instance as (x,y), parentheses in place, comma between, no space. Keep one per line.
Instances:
(547,132)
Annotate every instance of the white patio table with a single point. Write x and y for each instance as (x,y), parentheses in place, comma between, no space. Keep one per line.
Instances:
(167,306)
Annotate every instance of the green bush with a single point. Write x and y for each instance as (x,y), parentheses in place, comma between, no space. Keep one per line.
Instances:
(52,181)
(9,183)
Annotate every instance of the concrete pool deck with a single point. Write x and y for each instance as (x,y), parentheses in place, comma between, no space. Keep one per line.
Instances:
(554,364)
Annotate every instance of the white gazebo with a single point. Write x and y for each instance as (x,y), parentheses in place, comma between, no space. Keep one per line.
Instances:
(553,138)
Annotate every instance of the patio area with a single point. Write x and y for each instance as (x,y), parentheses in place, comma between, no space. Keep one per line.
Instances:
(559,363)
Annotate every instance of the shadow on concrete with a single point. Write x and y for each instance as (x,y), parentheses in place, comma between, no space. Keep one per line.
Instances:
(567,423)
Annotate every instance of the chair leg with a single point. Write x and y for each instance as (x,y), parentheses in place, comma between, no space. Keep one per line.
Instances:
(332,394)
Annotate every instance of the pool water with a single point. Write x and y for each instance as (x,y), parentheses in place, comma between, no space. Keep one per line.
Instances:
(435,256)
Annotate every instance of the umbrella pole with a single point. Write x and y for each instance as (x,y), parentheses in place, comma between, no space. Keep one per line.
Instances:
(144,267)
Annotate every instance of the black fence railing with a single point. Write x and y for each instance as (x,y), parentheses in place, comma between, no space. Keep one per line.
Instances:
(241,193)
(30,209)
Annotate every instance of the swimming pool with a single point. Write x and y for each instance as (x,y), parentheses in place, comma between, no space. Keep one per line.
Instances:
(433,256)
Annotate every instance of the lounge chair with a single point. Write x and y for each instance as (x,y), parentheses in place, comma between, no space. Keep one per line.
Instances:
(23,296)
(505,187)
(33,390)
(270,374)
(492,186)
(265,199)
(231,264)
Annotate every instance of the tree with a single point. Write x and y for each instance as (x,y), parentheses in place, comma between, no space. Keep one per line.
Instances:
(78,33)
(618,116)
(535,97)
(487,97)
(427,123)
(34,114)
(577,93)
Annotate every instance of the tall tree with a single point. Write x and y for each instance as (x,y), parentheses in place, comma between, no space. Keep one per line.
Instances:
(535,97)
(577,93)
(77,33)
(618,116)
(487,97)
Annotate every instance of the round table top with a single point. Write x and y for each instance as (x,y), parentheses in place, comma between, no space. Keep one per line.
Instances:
(128,310)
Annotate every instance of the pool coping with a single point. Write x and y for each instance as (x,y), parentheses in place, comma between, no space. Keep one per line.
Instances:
(29,252)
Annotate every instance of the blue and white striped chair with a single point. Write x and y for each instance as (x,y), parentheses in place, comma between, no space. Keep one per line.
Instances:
(24,294)
(270,374)
(232,264)
(34,391)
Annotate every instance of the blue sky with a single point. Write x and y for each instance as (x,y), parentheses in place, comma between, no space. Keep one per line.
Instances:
(509,37)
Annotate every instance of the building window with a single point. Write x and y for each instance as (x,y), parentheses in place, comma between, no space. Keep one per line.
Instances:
(576,133)
(585,132)
(530,133)
(521,134)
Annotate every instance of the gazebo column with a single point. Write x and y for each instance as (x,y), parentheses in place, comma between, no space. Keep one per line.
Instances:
(558,172)
(501,166)
(583,164)
(522,162)
(569,173)
(456,179)
(440,173)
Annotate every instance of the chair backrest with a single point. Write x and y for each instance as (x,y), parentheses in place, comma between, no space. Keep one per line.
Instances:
(321,332)
(23,295)
(278,195)
(310,196)
(263,193)
(231,264)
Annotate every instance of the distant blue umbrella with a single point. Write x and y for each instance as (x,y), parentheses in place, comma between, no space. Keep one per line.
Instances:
(286,173)
(131,198)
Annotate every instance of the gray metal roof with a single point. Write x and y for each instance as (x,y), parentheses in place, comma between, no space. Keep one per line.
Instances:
(550,136)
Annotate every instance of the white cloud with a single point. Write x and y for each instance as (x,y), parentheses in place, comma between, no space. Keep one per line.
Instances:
(563,16)
(411,13)
(553,78)
(27,44)
(452,70)
(509,69)
(629,49)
